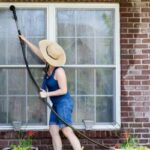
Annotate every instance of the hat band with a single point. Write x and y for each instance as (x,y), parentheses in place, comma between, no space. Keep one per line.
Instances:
(49,54)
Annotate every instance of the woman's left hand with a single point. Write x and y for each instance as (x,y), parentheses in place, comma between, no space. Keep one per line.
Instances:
(43,94)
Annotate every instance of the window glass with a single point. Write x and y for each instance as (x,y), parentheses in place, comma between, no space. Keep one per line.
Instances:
(87,36)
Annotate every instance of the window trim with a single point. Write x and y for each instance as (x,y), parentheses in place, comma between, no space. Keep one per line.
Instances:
(51,35)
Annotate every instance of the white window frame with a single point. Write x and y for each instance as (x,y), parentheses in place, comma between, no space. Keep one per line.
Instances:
(51,35)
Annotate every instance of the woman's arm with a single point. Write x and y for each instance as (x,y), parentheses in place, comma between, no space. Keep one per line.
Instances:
(34,48)
(62,82)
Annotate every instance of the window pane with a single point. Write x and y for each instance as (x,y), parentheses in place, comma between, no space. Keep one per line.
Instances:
(85,21)
(104,81)
(14,52)
(68,45)
(38,75)
(104,51)
(32,23)
(31,57)
(16,82)
(3,110)
(37,113)
(3,79)
(104,109)
(65,23)
(104,23)
(17,109)
(85,81)
(85,107)
(85,51)
(70,73)
(2,50)
(74,114)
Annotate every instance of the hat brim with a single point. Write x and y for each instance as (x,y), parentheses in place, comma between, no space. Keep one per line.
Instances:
(60,61)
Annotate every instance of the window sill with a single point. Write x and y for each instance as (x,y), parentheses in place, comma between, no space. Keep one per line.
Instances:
(99,127)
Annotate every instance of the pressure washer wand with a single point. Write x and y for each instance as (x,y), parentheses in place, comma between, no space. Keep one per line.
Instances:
(13,9)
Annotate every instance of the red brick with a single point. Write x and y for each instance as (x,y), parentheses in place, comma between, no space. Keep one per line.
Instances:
(126,35)
(123,30)
(147,82)
(141,66)
(4,142)
(126,25)
(143,141)
(133,20)
(124,4)
(124,114)
(127,119)
(127,56)
(124,51)
(146,125)
(126,45)
(137,15)
(141,120)
(124,41)
(140,46)
(134,61)
(140,35)
(134,82)
(133,30)
(136,93)
(124,61)
(147,51)
(141,25)
(141,109)
(145,61)
(140,56)
(146,72)
(126,15)
(146,20)
(129,98)
(134,40)
(146,135)
(146,41)
(124,82)
(141,130)
(141,77)
(123,9)
(124,103)
(134,9)
(135,125)
(126,108)
(123,19)
(145,9)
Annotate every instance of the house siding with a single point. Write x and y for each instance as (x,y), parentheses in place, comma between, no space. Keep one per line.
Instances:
(135,81)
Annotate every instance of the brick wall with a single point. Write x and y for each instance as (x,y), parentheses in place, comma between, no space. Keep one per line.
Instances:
(135,81)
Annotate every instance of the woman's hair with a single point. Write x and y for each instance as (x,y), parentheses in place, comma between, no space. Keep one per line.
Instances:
(46,68)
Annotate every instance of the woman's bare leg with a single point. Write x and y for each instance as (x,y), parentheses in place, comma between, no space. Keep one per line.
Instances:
(69,134)
(56,140)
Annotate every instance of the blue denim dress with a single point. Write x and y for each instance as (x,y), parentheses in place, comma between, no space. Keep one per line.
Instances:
(62,104)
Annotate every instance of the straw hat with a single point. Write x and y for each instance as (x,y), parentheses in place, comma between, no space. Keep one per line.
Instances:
(52,52)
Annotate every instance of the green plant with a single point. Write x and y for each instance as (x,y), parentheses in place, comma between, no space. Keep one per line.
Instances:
(25,141)
(129,143)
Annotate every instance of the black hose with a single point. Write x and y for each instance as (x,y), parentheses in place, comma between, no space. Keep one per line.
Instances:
(12,8)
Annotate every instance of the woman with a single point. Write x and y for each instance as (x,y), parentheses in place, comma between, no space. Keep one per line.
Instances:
(55,81)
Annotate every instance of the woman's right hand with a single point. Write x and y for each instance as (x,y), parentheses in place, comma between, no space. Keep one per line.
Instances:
(22,37)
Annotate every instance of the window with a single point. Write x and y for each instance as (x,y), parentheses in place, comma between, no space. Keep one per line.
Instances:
(89,34)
